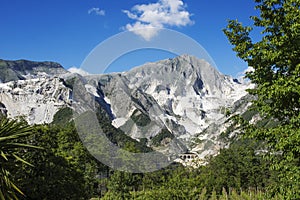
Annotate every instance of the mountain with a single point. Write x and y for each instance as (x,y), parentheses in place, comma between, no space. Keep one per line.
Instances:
(183,98)
(32,90)
(18,70)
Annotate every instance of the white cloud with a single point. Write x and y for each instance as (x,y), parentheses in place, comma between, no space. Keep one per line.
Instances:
(154,16)
(97,11)
(78,71)
(249,69)
(241,76)
(147,31)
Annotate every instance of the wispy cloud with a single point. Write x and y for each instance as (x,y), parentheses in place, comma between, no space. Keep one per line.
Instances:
(96,11)
(149,18)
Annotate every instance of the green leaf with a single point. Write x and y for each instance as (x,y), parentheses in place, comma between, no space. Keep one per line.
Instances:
(22,160)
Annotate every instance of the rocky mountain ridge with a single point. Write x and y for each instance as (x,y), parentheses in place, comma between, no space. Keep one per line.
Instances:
(24,69)
(184,97)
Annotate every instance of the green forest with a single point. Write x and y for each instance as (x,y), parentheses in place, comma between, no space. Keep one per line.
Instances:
(50,162)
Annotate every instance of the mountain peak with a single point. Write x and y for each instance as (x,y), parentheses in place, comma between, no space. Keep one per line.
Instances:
(187,57)
(184,63)
(180,73)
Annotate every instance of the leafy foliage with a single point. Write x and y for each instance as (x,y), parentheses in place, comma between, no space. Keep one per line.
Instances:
(12,154)
(117,136)
(276,63)
(63,116)
(237,172)
(237,167)
(163,134)
(62,170)
(140,118)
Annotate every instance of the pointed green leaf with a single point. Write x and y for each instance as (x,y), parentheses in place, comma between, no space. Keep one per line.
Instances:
(22,160)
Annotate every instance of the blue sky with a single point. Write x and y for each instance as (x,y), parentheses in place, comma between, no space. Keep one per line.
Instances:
(65,31)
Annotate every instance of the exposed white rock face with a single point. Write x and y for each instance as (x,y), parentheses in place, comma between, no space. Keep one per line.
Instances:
(184,90)
(37,100)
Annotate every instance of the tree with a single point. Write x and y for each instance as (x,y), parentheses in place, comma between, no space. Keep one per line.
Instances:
(237,167)
(62,170)
(276,72)
(59,168)
(11,151)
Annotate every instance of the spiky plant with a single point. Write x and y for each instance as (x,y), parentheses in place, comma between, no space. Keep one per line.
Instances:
(11,149)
